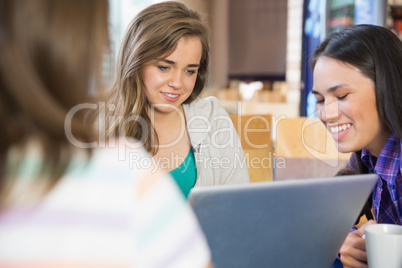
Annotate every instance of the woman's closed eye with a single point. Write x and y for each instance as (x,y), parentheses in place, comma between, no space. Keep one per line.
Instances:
(339,98)
(343,97)
(320,100)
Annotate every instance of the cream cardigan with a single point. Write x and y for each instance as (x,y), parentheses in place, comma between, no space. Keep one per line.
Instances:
(217,149)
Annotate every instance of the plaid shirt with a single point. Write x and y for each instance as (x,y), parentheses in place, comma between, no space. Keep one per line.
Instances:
(387,195)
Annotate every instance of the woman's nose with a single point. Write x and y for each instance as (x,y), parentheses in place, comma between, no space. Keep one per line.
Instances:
(329,112)
(176,80)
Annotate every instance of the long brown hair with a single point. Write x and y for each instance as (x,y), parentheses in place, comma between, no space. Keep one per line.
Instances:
(154,33)
(50,53)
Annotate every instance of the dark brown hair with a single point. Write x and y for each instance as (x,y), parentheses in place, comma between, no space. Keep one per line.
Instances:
(50,53)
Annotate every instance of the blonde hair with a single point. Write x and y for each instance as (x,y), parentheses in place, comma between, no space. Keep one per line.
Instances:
(50,52)
(154,33)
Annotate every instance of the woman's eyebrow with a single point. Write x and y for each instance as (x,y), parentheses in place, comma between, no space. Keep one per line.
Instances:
(167,61)
(174,63)
(329,90)
(194,65)
(315,92)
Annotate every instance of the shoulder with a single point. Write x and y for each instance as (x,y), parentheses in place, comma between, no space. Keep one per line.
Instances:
(206,113)
(211,101)
(122,158)
(208,107)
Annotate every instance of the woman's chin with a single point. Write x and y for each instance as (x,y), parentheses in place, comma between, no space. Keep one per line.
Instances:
(166,109)
(343,148)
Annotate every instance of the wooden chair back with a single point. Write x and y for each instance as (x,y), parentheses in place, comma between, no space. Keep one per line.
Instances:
(255,135)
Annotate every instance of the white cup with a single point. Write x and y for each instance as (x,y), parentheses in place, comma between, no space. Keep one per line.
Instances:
(384,245)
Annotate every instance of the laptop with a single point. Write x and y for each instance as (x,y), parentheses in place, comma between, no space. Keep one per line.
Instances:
(292,223)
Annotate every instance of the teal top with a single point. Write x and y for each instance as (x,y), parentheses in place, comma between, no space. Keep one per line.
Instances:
(185,175)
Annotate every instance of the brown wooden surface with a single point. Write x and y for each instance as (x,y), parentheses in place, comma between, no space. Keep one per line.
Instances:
(255,135)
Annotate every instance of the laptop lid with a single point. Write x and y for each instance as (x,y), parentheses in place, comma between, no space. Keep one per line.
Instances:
(292,223)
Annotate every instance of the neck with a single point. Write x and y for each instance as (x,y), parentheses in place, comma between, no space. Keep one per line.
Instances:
(377,148)
(161,118)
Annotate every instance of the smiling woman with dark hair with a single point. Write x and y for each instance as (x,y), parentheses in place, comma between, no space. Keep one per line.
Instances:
(357,83)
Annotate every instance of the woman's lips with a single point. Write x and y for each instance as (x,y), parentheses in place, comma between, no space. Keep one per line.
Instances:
(339,131)
(170,96)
